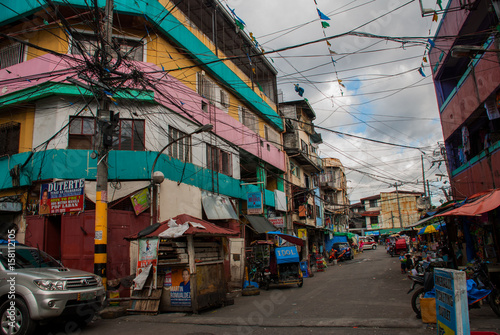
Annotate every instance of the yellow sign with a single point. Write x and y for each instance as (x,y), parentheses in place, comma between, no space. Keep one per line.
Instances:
(444,330)
(302,233)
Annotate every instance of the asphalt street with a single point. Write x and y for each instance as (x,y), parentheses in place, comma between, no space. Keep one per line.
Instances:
(367,295)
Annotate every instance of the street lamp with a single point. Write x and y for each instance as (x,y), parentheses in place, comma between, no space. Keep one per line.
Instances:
(158,177)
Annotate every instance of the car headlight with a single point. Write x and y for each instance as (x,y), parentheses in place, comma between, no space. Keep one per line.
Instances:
(99,281)
(50,284)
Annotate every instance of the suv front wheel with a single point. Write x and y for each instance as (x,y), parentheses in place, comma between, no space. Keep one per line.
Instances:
(15,318)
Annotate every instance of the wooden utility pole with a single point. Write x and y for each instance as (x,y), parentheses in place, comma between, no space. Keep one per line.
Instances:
(103,117)
(399,208)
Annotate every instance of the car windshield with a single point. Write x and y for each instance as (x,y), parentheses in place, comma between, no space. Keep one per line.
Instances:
(29,258)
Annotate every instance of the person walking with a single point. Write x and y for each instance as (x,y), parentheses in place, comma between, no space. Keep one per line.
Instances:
(402,260)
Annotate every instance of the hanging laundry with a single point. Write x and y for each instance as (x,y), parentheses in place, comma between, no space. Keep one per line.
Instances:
(322,16)
(299,90)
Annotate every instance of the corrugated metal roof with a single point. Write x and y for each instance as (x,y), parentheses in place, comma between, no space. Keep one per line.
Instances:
(260,224)
(210,228)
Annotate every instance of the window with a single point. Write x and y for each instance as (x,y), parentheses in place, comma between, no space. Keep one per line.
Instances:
(248,119)
(373,220)
(219,160)
(180,149)
(205,86)
(9,134)
(373,203)
(304,147)
(11,54)
(129,48)
(294,170)
(130,135)
(81,132)
(307,181)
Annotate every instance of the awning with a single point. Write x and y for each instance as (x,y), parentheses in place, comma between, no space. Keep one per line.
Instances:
(260,224)
(289,238)
(217,207)
(420,222)
(484,204)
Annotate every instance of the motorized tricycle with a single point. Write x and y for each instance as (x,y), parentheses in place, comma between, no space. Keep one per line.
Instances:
(284,268)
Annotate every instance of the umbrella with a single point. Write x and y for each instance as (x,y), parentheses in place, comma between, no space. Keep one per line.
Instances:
(427,230)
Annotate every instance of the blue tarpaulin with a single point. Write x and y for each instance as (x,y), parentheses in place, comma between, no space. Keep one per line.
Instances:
(287,255)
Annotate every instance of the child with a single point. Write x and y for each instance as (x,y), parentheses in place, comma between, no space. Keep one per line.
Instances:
(402,259)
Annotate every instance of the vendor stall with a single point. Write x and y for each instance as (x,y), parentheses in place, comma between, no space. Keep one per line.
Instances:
(180,266)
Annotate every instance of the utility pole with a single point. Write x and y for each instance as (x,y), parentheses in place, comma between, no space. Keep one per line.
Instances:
(104,118)
(423,175)
(399,208)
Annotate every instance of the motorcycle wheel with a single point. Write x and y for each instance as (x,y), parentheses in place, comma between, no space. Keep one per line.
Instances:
(265,285)
(415,301)
(301,282)
(494,299)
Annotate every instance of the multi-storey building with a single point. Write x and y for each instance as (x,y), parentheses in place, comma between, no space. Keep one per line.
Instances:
(169,68)
(466,73)
(333,183)
(390,212)
(300,142)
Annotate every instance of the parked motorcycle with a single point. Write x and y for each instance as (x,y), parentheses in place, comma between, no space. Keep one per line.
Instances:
(478,274)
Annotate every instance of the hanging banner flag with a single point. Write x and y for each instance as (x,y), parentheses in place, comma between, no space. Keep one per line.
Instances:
(325,24)
(322,16)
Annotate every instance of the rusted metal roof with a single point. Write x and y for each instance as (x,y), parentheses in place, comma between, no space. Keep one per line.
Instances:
(210,228)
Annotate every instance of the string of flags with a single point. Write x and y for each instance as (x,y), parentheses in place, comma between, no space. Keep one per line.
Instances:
(324,25)
(430,42)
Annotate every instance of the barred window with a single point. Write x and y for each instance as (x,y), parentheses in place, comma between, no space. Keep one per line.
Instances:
(248,119)
(219,160)
(11,54)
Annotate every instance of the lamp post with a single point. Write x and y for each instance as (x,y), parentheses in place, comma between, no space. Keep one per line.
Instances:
(157,177)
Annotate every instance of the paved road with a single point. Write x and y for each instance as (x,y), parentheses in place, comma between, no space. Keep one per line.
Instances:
(364,296)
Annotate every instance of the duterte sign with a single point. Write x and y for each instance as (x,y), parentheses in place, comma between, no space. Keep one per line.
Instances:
(62,197)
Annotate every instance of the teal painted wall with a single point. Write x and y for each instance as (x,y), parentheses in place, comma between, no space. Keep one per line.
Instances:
(123,166)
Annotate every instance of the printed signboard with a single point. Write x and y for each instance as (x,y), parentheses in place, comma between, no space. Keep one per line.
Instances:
(148,251)
(452,311)
(278,222)
(254,203)
(302,233)
(140,201)
(178,280)
(62,197)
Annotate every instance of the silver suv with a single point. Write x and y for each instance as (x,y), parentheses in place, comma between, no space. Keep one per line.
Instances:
(35,287)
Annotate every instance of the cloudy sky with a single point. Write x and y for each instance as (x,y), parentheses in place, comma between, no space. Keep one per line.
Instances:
(384,97)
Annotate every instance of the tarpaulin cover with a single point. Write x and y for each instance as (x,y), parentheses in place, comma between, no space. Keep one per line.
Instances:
(289,238)
(484,204)
(286,255)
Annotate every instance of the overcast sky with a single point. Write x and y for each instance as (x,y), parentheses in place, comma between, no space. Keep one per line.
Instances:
(385,98)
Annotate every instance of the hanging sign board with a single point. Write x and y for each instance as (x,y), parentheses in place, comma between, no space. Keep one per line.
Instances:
(278,221)
(302,233)
(254,203)
(62,197)
(140,201)
(452,311)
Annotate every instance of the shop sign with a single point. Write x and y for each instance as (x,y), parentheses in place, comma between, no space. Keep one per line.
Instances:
(140,201)
(278,221)
(452,311)
(62,197)
(254,203)
(302,233)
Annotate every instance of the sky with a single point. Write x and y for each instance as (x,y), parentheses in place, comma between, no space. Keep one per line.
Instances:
(384,97)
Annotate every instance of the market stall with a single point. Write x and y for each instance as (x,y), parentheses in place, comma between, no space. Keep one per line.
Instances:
(180,266)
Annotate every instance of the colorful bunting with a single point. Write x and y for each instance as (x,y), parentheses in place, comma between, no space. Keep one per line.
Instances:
(431,42)
(322,16)
(421,71)
(435,17)
(425,59)
(439,2)
(328,43)
(325,24)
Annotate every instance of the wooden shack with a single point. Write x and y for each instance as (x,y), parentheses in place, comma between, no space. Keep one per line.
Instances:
(186,255)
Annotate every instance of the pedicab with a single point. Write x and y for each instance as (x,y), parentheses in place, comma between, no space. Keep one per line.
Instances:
(284,268)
